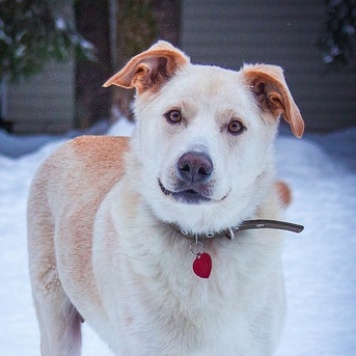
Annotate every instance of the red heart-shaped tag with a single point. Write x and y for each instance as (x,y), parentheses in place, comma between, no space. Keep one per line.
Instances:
(202,265)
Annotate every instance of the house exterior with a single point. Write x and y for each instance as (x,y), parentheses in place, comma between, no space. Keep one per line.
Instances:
(283,32)
(44,103)
(227,33)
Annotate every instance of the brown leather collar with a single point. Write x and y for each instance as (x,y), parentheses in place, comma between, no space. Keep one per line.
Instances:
(246,225)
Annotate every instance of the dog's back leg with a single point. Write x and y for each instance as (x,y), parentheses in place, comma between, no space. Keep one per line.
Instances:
(58,319)
(59,325)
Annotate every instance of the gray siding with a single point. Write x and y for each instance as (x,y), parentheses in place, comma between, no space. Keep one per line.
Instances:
(282,32)
(44,103)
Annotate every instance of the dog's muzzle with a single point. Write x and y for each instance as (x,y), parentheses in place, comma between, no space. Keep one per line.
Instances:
(195,167)
(194,170)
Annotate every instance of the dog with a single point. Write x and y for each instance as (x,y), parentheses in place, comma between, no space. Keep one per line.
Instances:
(143,237)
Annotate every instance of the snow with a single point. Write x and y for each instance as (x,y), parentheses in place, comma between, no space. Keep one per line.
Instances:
(319,264)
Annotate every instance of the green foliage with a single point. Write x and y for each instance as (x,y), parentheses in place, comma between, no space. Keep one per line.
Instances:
(338,38)
(33,32)
(136,26)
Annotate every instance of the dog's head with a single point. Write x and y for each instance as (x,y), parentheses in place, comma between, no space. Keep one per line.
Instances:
(204,135)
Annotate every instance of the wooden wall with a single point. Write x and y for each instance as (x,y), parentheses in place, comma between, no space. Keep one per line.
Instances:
(282,32)
(44,103)
(226,33)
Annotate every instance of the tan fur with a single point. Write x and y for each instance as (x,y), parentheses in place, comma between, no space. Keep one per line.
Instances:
(272,91)
(99,243)
(284,193)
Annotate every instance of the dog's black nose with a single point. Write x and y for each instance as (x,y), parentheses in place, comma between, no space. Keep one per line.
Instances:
(195,167)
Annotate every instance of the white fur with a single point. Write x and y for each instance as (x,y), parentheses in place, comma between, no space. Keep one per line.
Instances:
(99,246)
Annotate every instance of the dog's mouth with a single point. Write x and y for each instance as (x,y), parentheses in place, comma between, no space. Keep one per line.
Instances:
(188,196)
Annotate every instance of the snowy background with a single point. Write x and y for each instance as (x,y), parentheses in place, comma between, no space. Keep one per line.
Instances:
(320,264)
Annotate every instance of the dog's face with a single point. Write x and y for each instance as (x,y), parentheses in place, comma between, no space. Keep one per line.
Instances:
(203,146)
(204,137)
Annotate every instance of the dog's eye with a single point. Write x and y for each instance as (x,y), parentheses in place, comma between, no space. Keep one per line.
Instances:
(173,116)
(235,127)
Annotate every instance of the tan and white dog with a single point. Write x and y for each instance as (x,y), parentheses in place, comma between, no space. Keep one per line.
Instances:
(110,218)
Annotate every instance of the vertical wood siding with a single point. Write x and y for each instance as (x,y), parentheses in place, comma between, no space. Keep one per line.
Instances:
(282,32)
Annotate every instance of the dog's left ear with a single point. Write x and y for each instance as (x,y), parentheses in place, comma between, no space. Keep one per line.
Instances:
(150,69)
(270,88)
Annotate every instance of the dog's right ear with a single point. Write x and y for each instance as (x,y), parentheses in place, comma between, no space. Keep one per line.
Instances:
(150,69)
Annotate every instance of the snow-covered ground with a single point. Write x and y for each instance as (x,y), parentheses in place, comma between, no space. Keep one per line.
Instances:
(320,264)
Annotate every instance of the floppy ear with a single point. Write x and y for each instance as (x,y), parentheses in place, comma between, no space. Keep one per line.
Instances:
(150,69)
(270,88)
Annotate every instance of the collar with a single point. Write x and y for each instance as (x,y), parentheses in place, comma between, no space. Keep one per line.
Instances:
(245,225)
